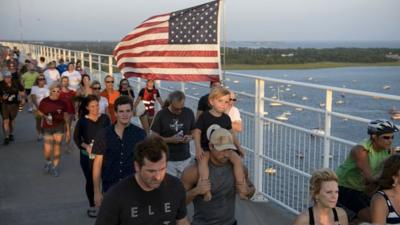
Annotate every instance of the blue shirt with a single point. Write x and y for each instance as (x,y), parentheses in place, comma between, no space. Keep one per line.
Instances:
(117,154)
(62,68)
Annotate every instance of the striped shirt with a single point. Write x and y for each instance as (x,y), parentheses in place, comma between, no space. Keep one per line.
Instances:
(392,217)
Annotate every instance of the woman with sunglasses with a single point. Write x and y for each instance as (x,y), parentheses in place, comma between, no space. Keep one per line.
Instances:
(234,113)
(55,122)
(85,131)
(111,95)
(363,163)
(103,103)
(38,93)
(125,89)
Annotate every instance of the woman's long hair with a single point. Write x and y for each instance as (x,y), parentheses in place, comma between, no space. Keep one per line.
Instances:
(391,167)
(82,111)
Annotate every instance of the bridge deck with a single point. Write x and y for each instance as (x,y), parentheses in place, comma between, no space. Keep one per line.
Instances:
(27,196)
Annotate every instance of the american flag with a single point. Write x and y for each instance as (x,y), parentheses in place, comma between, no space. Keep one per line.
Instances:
(178,46)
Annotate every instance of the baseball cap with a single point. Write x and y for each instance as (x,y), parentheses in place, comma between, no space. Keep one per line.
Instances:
(221,139)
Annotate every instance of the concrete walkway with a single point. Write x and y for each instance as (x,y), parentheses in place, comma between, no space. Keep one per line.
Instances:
(27,196)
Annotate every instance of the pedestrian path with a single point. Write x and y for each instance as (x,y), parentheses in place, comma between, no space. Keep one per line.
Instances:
(28,196)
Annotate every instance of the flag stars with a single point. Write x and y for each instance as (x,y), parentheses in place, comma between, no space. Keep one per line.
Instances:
(197,25)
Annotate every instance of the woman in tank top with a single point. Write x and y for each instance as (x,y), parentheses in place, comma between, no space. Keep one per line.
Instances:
(324,193)
(385,204)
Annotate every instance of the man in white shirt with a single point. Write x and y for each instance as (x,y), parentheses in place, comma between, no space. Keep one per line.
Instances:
(51,74)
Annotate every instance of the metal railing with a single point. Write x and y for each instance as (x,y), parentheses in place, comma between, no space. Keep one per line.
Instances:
(280,155)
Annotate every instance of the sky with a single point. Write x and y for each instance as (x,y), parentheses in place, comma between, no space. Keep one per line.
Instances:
(245,20)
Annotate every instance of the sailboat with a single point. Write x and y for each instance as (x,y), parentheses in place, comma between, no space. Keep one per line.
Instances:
(318,131)
(275,103)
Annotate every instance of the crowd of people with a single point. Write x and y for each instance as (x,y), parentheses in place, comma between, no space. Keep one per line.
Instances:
(146,175)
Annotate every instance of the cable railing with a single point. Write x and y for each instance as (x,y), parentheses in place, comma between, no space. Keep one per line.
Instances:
(281,153)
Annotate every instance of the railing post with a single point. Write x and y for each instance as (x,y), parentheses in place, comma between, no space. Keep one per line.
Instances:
(52,53)
(69,56)
(183,86)
(83,59)
(76,57)
(328,124)
(64,55)
(99,63)
(259,138)
(110,65)
(90,63)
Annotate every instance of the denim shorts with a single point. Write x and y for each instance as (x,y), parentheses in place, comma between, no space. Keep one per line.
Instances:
(54,130)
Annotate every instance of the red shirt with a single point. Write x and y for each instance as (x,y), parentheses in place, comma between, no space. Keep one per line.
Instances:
(68,99)
(55,108)
(149,99)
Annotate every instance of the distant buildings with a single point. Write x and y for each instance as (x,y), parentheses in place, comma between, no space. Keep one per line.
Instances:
(390,55)
(287,55)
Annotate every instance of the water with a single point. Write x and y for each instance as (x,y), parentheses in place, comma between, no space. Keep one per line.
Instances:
(361,78)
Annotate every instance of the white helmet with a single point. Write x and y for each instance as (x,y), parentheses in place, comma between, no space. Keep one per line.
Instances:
(381,127)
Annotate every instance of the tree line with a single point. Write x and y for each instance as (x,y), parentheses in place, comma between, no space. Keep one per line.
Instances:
(268,56)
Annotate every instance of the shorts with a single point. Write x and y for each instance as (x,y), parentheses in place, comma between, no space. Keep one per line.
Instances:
(175,168)
(28,91)
(53,130)
(9,111)
(352,201)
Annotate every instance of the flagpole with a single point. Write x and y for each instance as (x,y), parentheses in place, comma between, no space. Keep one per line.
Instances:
(221,12)
(224,32)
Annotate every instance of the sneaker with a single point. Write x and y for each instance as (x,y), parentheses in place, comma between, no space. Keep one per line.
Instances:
(30,110)
(47,168)
(11,137)
(92,212)
(6,141)
(54,172)
(39,138)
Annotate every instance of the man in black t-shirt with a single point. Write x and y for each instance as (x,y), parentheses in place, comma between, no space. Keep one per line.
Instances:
(12,93)
(174,124)
(150,197)
(204,105)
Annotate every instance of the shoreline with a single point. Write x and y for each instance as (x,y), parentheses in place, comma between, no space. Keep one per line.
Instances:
(305,66)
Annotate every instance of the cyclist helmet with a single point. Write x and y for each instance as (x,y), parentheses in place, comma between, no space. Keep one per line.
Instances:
(382,126)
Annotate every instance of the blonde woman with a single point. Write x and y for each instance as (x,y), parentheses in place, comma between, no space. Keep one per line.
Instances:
(324,193)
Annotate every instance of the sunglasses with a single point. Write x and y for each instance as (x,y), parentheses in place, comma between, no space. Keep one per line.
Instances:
(41,79)
(96,88)
(233,99)
(110,81)
(387,137)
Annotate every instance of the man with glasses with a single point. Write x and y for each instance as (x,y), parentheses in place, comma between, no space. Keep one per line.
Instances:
(111,95)
(362,164)
(175,124)
(12,93)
